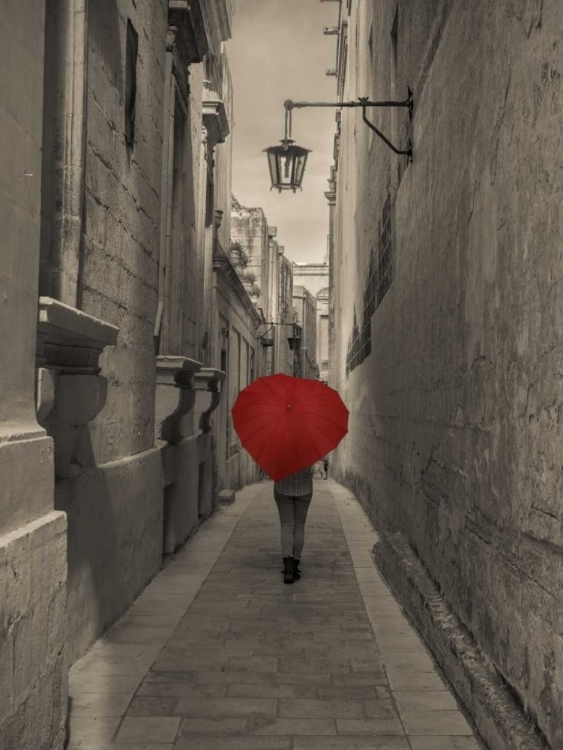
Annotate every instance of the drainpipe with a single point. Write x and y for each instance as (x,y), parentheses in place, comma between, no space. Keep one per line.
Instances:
(165,187)
(67,227)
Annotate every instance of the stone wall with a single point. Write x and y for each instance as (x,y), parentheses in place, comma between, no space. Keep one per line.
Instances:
(284,355)
(323,350)
(447,300)
(313,276)
(33,681)
(249,227)
(305,305)
(110,481)
(237,337)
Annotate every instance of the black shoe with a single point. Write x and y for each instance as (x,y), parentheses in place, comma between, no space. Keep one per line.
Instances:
(288,574)
(295,568)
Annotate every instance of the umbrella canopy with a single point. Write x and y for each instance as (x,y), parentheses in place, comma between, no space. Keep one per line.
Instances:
(286,424)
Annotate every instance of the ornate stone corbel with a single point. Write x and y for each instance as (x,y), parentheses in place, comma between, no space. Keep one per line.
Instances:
(175,395)
(215,118)
(208,379)
(70,390)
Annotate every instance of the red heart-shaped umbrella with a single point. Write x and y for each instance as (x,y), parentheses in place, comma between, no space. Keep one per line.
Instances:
(286,424)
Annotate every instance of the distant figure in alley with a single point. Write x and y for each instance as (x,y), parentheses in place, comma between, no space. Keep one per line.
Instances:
(293,497)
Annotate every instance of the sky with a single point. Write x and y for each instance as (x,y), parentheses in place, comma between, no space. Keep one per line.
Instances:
(278,51)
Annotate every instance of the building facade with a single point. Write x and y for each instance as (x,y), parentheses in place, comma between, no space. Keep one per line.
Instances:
(118,292)
(316,278)
(305,308)
(322,335)
(446,328)
(267,275)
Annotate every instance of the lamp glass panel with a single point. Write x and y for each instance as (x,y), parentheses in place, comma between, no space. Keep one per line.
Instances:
(272,164)
(300,168)
(285,160)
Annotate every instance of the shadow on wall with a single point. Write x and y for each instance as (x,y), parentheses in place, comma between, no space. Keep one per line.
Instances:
(103,30)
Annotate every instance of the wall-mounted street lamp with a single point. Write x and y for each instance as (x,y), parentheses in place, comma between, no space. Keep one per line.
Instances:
(294,341)
(269,341)
(287,161)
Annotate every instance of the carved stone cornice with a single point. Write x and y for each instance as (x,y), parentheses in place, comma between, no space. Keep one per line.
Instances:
(69,340)
(202,25)
(192,39)
(175,395)
(208,379)
(219,17)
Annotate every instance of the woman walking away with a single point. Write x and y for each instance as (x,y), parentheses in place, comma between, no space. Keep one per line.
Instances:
(293,497)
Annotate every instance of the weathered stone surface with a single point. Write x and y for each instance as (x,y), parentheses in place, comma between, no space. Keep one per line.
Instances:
(114,544)
(32,634)
(227,497)
(452,379)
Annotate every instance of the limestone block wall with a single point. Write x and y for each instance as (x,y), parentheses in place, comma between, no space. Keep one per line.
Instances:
(114,500)
(249,226)
(122,213)
(305,305)
(313,276)
(33,682)
(451,367)
(283,354)
(236,468)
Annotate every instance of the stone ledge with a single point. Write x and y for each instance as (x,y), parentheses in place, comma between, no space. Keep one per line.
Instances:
(226,497)
(499,718)
(69,340)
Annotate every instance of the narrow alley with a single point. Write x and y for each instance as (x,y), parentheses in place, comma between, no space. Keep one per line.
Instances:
(299,241)
(217,654)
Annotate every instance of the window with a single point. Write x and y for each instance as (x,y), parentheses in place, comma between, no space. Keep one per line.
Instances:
(380,277)
(130,83)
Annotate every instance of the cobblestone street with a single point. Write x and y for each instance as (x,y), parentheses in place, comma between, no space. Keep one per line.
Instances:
(219,653)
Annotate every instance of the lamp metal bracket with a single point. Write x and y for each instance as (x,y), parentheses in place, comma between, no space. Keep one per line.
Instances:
(364,103)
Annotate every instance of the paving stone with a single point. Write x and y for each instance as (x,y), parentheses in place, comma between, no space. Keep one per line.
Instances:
(436,723)
(153,706)
(104,684)
(271,691)
(359,692)
(379,709)
(444,743)
(369,726)
(218,653)
(313,678)
(232,676)
(180,690)
(120,746)
(418,660)
(355,742)
(427,700)
(294,727)
(223,742)
(213,726)
(367,664)
(362,678)
(320,708)
(401,678)
(222,707)
(148,729)
(291,665)
(253,664)
(99,729)
(93,705)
